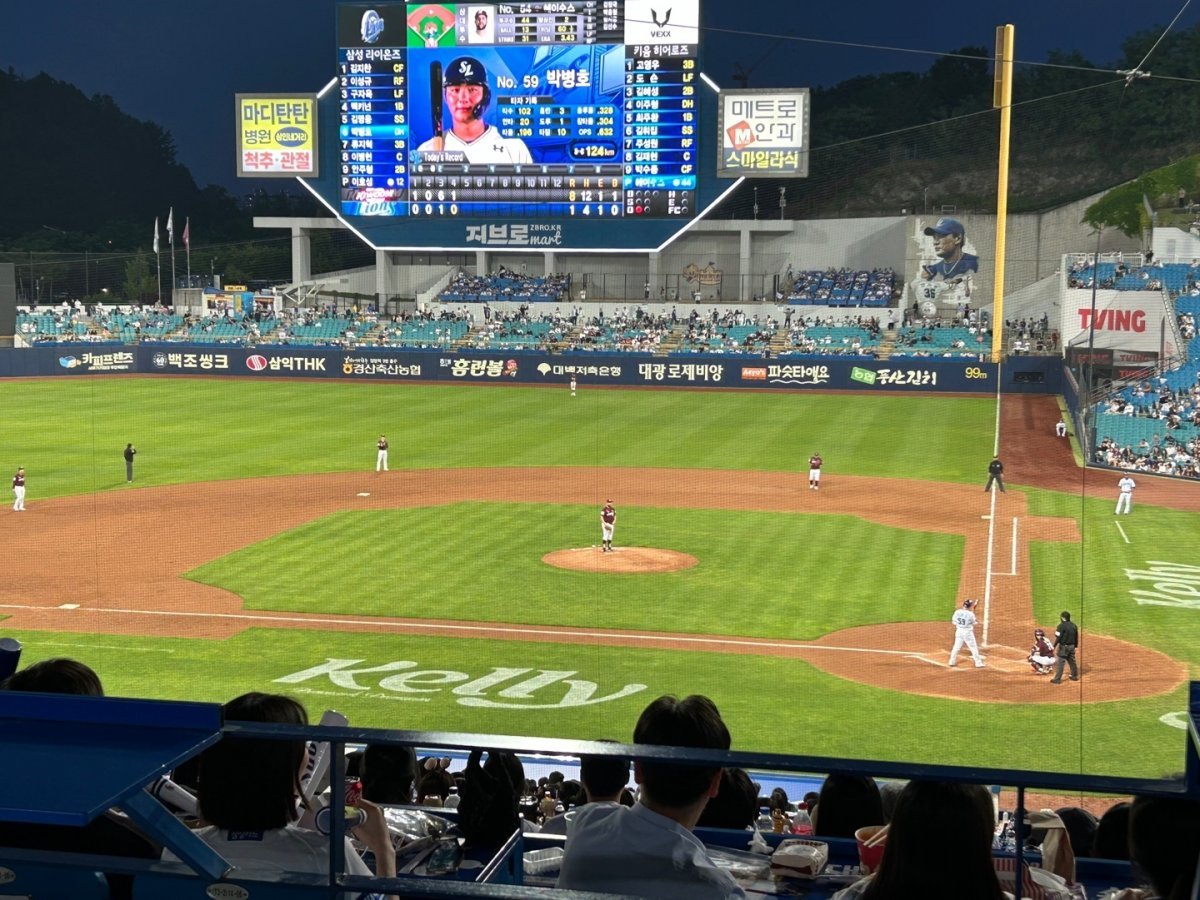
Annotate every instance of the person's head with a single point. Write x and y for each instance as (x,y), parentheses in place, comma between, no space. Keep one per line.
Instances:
(939,845)
(481,19)
(735,805)
(55,676)
(847,803)
(779,800)
(1112,833)
(434,783)
(603,777)
(691,722)
(467,91)
(387,772)
(252,784)
(889,793)
(20,470)
(1164,842)
(1065,616)
(130,444)
(1081,828)
(948,237)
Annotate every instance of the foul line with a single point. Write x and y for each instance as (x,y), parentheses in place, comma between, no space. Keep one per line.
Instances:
(480,629)
(1122,530)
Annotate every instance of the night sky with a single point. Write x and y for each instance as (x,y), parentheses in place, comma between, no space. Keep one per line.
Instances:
(179,64)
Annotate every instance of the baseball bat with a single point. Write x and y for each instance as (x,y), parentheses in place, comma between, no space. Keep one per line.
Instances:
(435,104)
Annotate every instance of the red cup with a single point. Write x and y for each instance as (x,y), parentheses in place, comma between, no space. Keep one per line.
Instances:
(869,857)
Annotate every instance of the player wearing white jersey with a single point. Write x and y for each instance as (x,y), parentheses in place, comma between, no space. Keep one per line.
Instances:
(467,95)
(964,633)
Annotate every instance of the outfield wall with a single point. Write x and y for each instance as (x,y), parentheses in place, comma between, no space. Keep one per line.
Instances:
(1032,374)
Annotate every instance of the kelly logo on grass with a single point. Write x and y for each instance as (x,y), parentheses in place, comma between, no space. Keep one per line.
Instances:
(501,688)
(1175,584)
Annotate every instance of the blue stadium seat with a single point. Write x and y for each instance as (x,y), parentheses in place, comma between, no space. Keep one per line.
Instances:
(19,878)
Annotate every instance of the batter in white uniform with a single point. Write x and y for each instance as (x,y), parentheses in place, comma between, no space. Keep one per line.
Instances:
(467,95)
(964,633)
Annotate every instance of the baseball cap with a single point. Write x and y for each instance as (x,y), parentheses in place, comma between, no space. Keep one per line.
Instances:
(946,226)
(466,70)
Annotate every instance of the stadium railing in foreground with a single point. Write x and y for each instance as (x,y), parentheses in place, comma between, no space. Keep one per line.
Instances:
(79,756)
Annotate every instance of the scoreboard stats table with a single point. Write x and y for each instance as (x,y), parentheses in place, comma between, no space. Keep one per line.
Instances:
(548,110)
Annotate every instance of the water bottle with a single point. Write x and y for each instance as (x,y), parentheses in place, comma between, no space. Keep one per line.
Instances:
(802,822)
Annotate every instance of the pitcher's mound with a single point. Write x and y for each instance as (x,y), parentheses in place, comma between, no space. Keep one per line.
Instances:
(621,560)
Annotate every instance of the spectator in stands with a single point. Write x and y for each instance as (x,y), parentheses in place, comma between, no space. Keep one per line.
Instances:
(735,805)
(938,847)
(604,779)
(1112,833)
(489,812)
(388,772)
(248,793)
(847,803)
(1081,828)
(109,834)
(889,793)
(648,850)
(1164,842)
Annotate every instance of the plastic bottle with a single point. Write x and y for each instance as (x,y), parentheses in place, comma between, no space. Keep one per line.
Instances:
(452,799)
(802,822)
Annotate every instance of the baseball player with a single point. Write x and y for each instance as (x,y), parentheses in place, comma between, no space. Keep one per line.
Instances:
(814,472)
(19,490)
(572,385)
(1060,428)
(381,455)
(608,524)
(1125,498)
(964,633)
(467,95)
(1041,657)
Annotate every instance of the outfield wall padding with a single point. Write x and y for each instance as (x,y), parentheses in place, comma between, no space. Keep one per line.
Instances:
(1033,374)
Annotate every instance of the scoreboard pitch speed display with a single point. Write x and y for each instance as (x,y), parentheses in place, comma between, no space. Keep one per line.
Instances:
(584,109)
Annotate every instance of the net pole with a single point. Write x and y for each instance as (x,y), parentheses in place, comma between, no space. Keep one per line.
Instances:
(1002,98)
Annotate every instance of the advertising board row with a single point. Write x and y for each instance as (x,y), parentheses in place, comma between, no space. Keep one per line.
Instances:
(928,375)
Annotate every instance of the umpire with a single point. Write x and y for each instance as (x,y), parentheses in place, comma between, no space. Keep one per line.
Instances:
(1066,639)
(130,453)
(995,475)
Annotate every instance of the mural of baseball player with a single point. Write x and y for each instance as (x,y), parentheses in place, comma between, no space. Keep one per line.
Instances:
(964,633)
(608,524)
(1041,656)
(948,266)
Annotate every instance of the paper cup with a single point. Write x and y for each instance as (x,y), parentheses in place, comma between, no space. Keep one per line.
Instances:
(869,857)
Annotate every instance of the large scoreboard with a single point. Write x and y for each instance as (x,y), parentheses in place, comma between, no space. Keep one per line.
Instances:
(519,124)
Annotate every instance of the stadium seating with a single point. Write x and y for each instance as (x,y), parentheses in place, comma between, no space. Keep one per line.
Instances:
(841,287)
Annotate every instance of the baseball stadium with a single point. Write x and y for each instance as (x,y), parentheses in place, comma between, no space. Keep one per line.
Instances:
(372,477)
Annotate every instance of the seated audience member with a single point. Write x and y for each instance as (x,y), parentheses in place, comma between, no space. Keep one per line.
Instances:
(489,811)
(938,847)
(604,778)
(889,792)
(847,803)
(736,803)
(387,772)
(434,787)
(1112,833)
(109,834)
(248,793)
(1081,828)
(648,850)
(1164,842)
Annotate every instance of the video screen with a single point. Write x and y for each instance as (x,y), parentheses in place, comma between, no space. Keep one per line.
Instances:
(584,109)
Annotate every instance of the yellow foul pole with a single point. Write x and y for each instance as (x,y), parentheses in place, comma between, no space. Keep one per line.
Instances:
(1002,100)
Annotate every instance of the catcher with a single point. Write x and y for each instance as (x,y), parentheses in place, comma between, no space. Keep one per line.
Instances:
(1041,657)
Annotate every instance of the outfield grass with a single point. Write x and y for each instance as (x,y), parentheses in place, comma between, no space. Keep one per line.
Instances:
(767,575)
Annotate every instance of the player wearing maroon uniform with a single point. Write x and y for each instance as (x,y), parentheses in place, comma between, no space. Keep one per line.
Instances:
(381,456)
(19,490)
(814,472)
(608,524)
(1041,657)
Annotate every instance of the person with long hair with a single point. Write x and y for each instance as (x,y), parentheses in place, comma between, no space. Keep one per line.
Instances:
(939,847)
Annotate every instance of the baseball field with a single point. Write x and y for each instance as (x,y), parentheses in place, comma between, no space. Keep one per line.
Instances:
(257,549)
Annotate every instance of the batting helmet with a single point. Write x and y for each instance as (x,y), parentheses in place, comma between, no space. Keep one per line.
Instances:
(1037,632)
(468,70)
(968,604)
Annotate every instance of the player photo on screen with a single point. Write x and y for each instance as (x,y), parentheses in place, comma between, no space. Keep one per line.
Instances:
(482,25)
(516,106)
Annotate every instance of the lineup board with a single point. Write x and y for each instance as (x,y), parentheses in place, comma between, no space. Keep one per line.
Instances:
(589,110)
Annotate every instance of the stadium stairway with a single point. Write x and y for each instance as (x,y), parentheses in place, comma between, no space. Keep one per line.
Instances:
(887,344)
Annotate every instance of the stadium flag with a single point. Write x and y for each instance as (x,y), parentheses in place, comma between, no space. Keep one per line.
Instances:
(156,234)
(187,233)
(171,226)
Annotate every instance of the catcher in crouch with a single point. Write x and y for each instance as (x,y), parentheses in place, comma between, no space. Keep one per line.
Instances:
(1041,657)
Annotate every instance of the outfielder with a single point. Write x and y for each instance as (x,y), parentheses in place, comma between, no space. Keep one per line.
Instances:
(608,524)
(1125,498)
(19,490)
(964,633)
(381,454)
(1041,657)
(814,472)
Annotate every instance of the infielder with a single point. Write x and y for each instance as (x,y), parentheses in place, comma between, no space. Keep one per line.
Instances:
(19,490)
(1041,657)
(573,385)
(381,454)
(608,524)
(964,633)
(1125,498)
(814,472)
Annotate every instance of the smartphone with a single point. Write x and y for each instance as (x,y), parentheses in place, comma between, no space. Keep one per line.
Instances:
(445,858)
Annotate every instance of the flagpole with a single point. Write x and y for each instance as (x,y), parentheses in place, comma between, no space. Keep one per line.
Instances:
(187,246)
(158,261)
(171,236)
